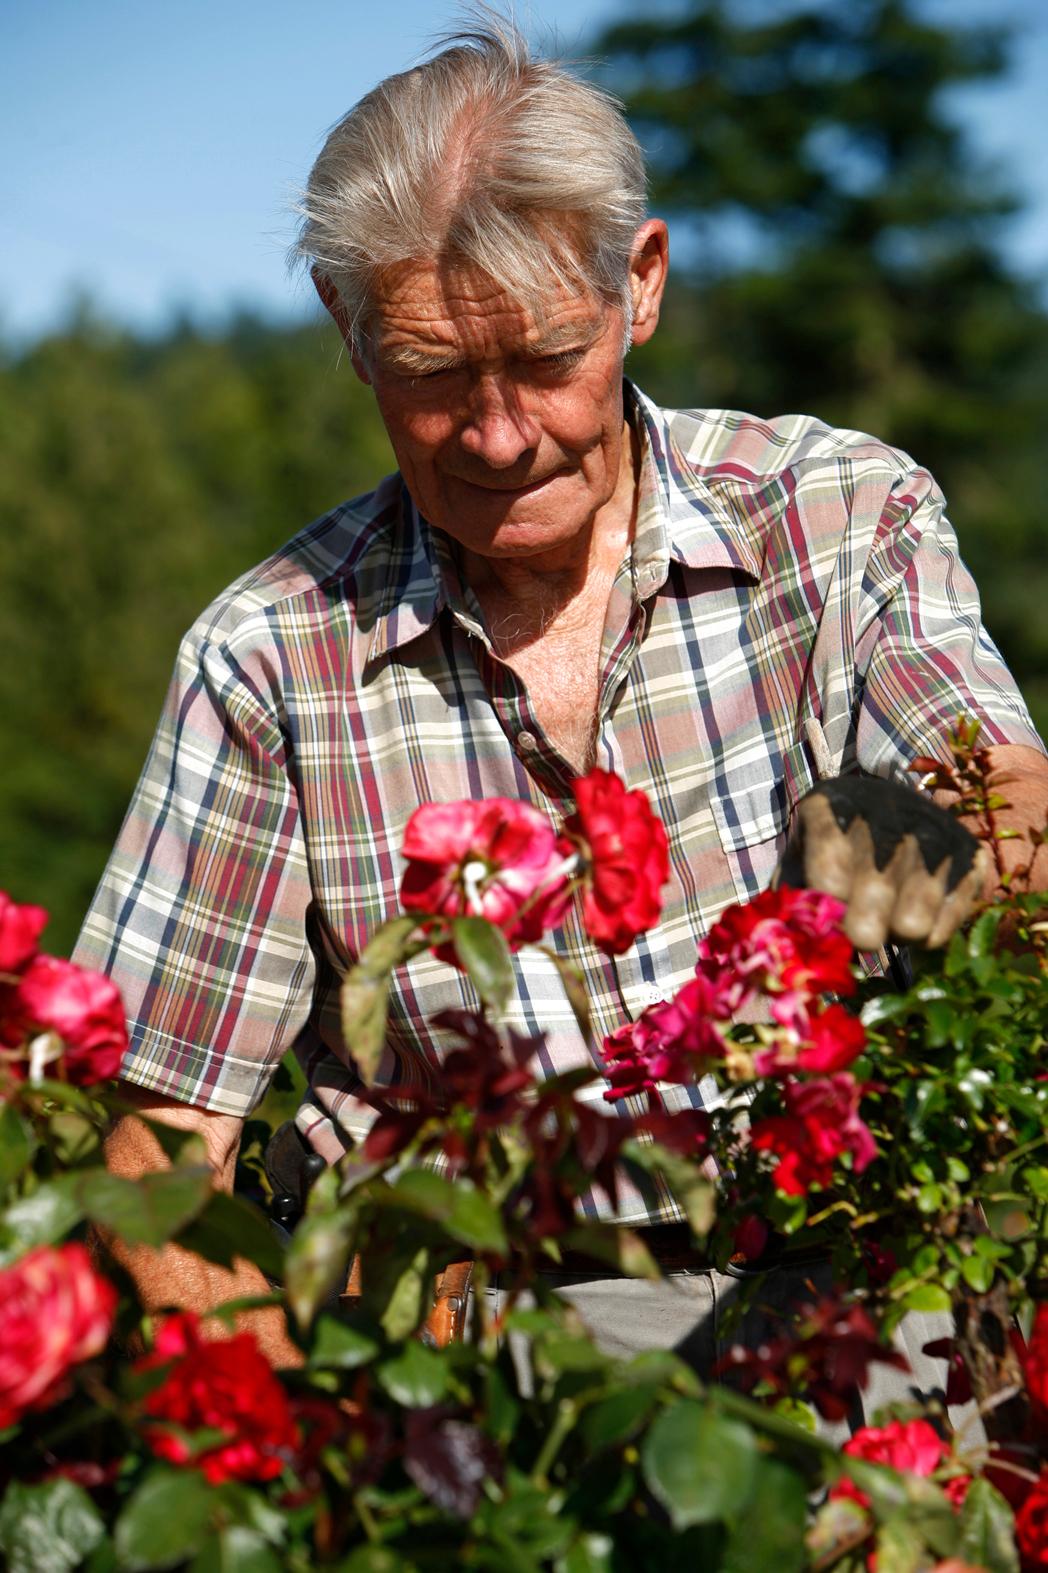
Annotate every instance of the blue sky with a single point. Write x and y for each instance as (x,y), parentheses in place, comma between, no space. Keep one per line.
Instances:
(152,150)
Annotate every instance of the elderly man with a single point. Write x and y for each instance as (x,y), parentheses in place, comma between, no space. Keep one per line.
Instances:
(559,574)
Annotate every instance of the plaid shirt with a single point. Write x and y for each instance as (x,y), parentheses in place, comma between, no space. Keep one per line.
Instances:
(780,570)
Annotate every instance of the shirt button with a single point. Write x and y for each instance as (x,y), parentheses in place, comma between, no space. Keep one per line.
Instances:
(527,742)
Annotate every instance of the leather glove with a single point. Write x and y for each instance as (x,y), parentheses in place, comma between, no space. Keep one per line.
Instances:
(905,868)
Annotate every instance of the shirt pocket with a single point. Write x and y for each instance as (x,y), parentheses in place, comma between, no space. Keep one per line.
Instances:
(753,816)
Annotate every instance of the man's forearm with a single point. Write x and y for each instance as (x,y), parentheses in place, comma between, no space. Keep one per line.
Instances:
(171,1276)
(1020,777)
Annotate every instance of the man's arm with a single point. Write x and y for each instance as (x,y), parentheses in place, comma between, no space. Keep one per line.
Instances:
(1020,776)
(172,1276)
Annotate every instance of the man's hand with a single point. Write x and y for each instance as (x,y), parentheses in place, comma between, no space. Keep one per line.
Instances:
(905,868)
(171,1276)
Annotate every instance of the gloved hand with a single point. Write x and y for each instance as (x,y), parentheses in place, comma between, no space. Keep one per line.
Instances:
(905,868)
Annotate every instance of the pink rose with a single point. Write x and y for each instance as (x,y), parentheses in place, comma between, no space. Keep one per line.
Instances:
(20,929)
(820,1124)
(787,944)
(672,1041)
(496,859)
(55,1311)
(83,1008)
(626,860)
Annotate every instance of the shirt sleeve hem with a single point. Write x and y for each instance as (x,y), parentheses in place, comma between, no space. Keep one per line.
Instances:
(181,1072)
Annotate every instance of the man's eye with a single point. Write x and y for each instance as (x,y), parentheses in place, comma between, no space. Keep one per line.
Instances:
(559,364)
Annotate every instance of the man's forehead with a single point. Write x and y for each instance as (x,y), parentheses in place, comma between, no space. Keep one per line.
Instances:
(427,305)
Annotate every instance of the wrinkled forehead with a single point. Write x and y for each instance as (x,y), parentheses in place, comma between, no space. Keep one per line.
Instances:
(447,305)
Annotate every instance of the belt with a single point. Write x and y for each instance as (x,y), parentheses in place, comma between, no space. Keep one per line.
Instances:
(674,1250)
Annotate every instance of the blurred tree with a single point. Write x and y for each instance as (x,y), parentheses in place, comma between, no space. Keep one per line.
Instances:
(840,254)
(137,479)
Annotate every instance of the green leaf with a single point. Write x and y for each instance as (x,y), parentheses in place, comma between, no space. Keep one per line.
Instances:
(42,1218)
(230,1226)
(900,1548)
(771,1534)
(484,953)
(983,933)
(614,1419)
(574,985)
(927,1297)
(589,1554)
(978,1273)
(236,1549)
(48,1528)
(150,1210)
(16,1144)
(417,1377)
(165,1521)
(988,1530)
(462,1211)
(373,1559)
(408,1298)
(316,1263)
(700,1465)
(787,1213)
(365,993)
(340,1346)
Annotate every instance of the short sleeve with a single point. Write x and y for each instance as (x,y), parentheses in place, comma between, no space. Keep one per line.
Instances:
(921,646)
(200,917)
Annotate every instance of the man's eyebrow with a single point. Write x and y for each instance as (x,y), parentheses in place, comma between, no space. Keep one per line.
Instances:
(414,361)
(406,358)
(577,335)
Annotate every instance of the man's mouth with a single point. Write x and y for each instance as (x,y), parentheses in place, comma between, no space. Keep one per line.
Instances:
(523,490)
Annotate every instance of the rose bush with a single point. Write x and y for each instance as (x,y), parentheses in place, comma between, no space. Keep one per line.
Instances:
(898,1137)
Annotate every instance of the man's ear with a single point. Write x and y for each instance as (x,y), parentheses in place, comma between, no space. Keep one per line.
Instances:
(332,300)
(649,267)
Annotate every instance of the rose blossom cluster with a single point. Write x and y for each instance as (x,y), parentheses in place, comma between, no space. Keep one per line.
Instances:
(786,946)
(55,1312)
(503,860)
(52,1011)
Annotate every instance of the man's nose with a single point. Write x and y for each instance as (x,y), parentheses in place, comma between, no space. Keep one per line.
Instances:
(498,429)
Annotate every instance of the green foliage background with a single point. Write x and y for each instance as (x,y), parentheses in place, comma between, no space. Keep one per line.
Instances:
(864,283)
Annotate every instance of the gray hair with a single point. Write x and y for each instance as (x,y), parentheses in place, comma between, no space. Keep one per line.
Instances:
(485,156)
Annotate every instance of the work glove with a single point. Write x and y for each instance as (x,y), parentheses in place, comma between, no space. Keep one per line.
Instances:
(905,868)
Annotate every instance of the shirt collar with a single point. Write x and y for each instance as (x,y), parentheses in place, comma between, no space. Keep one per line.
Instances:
(697,526)
(680,516)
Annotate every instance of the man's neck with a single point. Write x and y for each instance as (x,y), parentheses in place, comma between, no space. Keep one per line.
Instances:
(563,585)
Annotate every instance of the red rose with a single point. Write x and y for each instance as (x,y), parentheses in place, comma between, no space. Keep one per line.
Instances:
(20,929)
(83,1008)
(907,1445)
(55,1311)
(827,1041)
(626,858)
(223,1385)
(496,859)
(821,1122)
(1031,1527)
